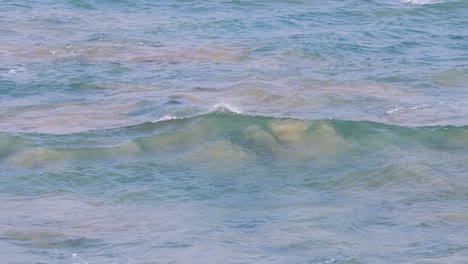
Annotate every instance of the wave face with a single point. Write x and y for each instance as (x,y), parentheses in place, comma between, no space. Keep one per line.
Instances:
(269,131)
(244,186)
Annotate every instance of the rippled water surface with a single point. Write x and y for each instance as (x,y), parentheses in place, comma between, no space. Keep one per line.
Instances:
(279,131)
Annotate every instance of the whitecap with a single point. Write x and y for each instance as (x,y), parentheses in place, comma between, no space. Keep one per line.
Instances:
(403,109)
(422,2)
(16,70)
(165,118)
(225,107)
(80,259)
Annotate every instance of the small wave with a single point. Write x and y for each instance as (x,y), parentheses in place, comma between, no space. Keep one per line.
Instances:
(14,71)
(422,2)
(52,125)
(400,108)
(217,108)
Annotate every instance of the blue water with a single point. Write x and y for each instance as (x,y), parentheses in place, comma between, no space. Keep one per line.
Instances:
(280,131)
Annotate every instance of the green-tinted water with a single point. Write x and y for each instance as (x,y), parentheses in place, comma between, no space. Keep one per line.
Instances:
(186,131)
(246,188)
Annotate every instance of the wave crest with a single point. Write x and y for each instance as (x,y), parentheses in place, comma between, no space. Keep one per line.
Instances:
(225,107)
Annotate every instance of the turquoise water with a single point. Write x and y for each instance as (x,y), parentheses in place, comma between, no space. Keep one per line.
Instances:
(234,131)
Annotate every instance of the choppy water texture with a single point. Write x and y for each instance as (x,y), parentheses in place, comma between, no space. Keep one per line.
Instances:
(280,131)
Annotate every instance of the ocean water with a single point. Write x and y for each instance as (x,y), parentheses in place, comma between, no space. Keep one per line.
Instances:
(217,131)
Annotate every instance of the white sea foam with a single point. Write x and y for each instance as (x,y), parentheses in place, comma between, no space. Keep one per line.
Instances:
(400,108)
(222,107)
(16,70)
(422,2)
(165,118)
(225,107)
(80,259)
